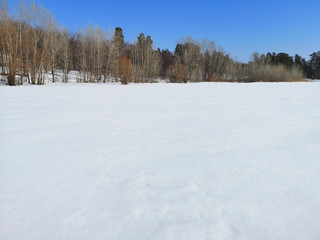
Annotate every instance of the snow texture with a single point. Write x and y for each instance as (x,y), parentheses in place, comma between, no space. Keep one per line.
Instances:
(160,161)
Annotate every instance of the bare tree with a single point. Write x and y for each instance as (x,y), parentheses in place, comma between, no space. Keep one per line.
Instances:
(66,54)
(21,16)
(9,31)
(99,53)
(55,46)
(81,53)
(38,21)
(145,59)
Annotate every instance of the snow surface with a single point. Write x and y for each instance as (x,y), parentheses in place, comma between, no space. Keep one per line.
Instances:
(160,161)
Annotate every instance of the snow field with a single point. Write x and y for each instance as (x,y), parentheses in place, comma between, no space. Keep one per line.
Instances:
(160,161)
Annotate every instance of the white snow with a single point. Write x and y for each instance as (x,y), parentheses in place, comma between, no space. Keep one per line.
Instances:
(160,161)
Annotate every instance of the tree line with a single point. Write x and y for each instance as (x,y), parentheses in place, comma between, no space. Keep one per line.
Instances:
(32,45)
(310,68)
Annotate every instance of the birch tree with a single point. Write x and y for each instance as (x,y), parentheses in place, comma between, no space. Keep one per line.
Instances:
(38,21)
(66,54)
(9,31)
(55,46)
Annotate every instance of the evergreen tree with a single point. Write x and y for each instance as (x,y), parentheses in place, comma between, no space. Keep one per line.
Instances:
(117,49)
(315,64)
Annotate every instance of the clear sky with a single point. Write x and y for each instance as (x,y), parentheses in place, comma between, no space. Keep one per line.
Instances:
(240,27)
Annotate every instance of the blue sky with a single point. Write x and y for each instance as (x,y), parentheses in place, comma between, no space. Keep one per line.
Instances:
(240,27)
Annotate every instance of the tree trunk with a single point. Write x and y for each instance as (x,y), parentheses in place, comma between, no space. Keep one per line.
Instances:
(52,71)
(12,79)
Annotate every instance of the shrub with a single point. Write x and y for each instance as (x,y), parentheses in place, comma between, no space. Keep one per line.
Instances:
(125,69)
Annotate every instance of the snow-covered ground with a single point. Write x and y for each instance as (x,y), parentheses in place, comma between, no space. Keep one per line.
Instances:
(160,161)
